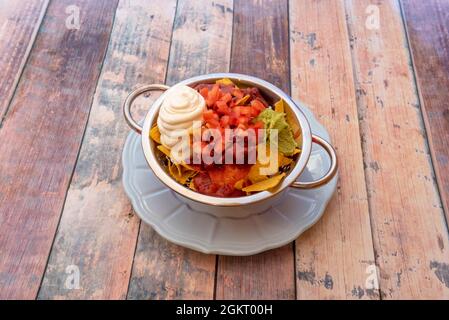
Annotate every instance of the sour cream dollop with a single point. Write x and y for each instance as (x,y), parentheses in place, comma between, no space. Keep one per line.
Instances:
(182,106)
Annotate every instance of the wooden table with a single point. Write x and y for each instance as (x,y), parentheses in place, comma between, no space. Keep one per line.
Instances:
(375,72)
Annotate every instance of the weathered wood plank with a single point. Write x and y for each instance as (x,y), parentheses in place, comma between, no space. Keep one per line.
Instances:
(333,258)
(19,22)
(98,231)
(41,136)
(201,44)
(428,30)
(410,235)
(259,48)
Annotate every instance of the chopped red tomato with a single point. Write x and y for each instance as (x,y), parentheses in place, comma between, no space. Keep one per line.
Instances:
(228,174)
(233,108)
(220,181)
(237,93)
(242,111)
(204,184)
(213,95)
(258,125)
(224,121)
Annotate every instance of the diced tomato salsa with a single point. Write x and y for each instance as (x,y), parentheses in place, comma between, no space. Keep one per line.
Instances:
(228,107)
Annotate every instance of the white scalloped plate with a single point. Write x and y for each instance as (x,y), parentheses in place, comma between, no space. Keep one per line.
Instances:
(160,207)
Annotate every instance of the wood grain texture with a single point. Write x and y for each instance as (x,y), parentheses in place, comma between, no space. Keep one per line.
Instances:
(201,41)
(98,230)
(19,22)
(259,48)
(41,136)
(201,44)
(334,258)
(410,235)
(428,29)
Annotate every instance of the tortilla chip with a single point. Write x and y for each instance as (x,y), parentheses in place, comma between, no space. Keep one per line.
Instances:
(297,151)
(164,150)
(186,166)
(296,130)
(279,106)
(178,174)
(284,161)
(179,168)
(254,173)
(225,81)
(192,185)
(155,135)
(265,184)
(172,170)
(239,184)
(243,100)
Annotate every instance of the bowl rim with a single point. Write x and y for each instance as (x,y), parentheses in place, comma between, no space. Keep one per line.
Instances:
(183,191)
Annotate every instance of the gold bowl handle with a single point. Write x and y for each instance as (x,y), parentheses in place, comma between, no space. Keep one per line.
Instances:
(330,173)
(130,99)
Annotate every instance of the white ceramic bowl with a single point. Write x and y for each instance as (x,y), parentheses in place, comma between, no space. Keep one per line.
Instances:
(237,206)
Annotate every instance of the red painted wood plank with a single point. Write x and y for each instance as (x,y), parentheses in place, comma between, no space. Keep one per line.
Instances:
(19,22)
(260,48)
(97,214)
(41,136)
(427,24)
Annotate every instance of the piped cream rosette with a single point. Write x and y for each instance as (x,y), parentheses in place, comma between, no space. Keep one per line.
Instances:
(181,109)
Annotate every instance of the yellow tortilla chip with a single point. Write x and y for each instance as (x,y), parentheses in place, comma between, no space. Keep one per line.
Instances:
(179,168)
(265,184)
(164,150)
(297,151)
(225,81)
(243,100)
(254,174)
(183,178)
(155,135)
(173,172)
(177,173)
(279,106)
(186,166)
(296,130)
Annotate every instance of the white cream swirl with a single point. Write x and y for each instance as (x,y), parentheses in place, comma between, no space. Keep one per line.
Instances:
(182,106)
